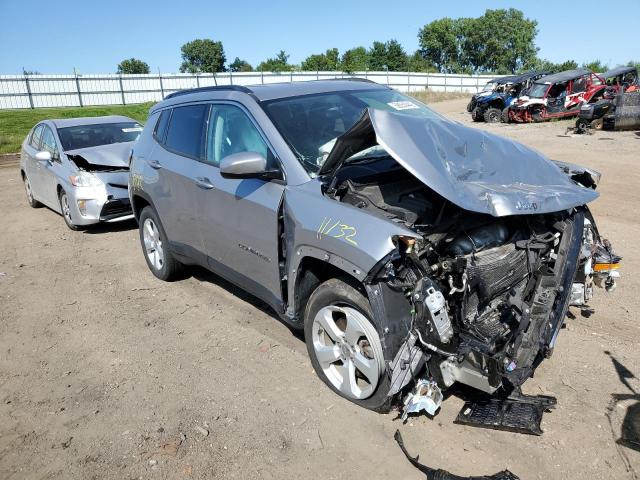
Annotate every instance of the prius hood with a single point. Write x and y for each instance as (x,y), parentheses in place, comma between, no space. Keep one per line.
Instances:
(114,155)
(471,168)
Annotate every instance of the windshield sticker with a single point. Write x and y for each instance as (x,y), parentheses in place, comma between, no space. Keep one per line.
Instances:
(132,129)
(403,105)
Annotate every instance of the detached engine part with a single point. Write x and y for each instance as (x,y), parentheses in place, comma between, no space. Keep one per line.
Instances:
(426,396)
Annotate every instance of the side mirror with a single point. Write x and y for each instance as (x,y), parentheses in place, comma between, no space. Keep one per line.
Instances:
(43,156)
(243,165)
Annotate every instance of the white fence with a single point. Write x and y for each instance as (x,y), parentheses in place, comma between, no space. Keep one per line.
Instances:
(35,91)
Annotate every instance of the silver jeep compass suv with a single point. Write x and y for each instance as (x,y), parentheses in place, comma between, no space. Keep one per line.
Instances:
(410,249)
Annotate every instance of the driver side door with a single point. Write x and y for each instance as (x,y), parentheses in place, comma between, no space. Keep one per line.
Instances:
(238,217)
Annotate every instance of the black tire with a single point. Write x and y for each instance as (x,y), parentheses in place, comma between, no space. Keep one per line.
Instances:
(504,116)
(338,292)
(582,124)
(169,269)
(476,115)
(597,124)
(66,213)
(538,114)
(492,115)
(470,106)
(33,203)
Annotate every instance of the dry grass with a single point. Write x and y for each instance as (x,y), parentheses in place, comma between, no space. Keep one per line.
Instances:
(430,96)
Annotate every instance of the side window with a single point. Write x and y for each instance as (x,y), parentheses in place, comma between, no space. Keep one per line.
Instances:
(579,85)
(186,128)
(49,142)
(36,136)
(161,126)
(231,131)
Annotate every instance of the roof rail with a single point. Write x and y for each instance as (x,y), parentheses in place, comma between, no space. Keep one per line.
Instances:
(237,88)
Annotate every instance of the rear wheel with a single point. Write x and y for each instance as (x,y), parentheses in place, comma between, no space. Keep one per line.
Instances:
(66,211)
(155,246)
(492,115)
(344,345)
(33,203)
(504,116)
(476,115)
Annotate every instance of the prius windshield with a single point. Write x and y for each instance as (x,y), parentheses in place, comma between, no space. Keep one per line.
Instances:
(311,123)
(85,136)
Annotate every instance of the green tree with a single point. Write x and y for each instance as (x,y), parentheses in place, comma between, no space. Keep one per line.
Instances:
(397,60)
(327,61)
(202,55)
(439,43)
(239,65)
(377,57)
(596,66)
(132,65)
(280,63)
(417,63)
(545,65)
(355,60)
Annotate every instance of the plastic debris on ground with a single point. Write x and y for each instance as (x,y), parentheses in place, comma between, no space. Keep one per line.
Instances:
(438,474)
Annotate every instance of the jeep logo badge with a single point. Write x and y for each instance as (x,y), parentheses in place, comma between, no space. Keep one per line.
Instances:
(526,206)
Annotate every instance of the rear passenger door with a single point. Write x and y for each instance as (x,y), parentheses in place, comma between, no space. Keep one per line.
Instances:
(238,218)
(179,136)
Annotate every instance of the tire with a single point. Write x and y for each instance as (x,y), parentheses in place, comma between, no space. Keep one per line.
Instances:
(492,115)
(582,124)
(538,115)
(504,116)
(33,203)
(66,211)
(597,124)
(338,321)
(476,115)
(470,106)
(155,246)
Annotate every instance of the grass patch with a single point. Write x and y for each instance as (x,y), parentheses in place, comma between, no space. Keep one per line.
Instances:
(15,124)
(429,96)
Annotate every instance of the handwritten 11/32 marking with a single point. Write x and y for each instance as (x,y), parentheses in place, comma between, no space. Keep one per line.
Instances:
(336,229)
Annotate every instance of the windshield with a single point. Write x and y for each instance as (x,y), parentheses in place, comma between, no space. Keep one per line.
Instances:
(311,124)
(84,136)
(489,87)
(538,90)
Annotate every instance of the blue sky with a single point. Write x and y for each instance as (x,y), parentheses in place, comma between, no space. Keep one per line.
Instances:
(55,37)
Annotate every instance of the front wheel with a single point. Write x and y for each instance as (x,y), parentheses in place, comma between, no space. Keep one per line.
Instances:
(65,208)
(476,115)
(155,246)
(344,345)
(597,124)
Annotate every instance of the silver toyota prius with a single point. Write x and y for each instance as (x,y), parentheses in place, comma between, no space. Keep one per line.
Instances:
(79,167)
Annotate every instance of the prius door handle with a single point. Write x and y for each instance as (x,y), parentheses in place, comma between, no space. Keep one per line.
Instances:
(154,164)
(204,183)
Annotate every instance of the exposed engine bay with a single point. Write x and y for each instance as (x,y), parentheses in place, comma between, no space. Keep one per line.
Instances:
(486,296)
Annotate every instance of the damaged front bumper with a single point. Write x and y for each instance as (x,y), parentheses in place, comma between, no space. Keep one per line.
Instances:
(498,349)
(107,202)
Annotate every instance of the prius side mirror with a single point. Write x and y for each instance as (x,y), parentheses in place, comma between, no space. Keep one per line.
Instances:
(245,165)
(43,156)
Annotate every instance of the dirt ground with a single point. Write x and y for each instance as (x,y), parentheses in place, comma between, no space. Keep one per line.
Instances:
(106,372)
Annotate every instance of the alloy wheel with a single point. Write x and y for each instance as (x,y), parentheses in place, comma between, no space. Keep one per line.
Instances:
(153,244)
(348,350)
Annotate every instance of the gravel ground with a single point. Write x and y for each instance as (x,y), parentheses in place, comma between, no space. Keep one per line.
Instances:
(106,372)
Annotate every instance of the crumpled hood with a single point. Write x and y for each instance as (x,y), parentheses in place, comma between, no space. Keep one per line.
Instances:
(112,155)
(471,168)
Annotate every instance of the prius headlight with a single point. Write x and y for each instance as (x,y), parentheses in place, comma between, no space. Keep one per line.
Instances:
(85,179)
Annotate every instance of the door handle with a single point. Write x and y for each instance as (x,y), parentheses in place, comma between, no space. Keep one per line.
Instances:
(204,183)
(155,164)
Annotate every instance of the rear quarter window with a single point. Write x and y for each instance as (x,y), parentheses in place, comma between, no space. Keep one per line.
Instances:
(161,127)
(185,133)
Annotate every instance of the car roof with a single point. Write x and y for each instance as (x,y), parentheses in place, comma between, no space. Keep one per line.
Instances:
(564,76)
(614,72)
(271,91)
(78,121)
